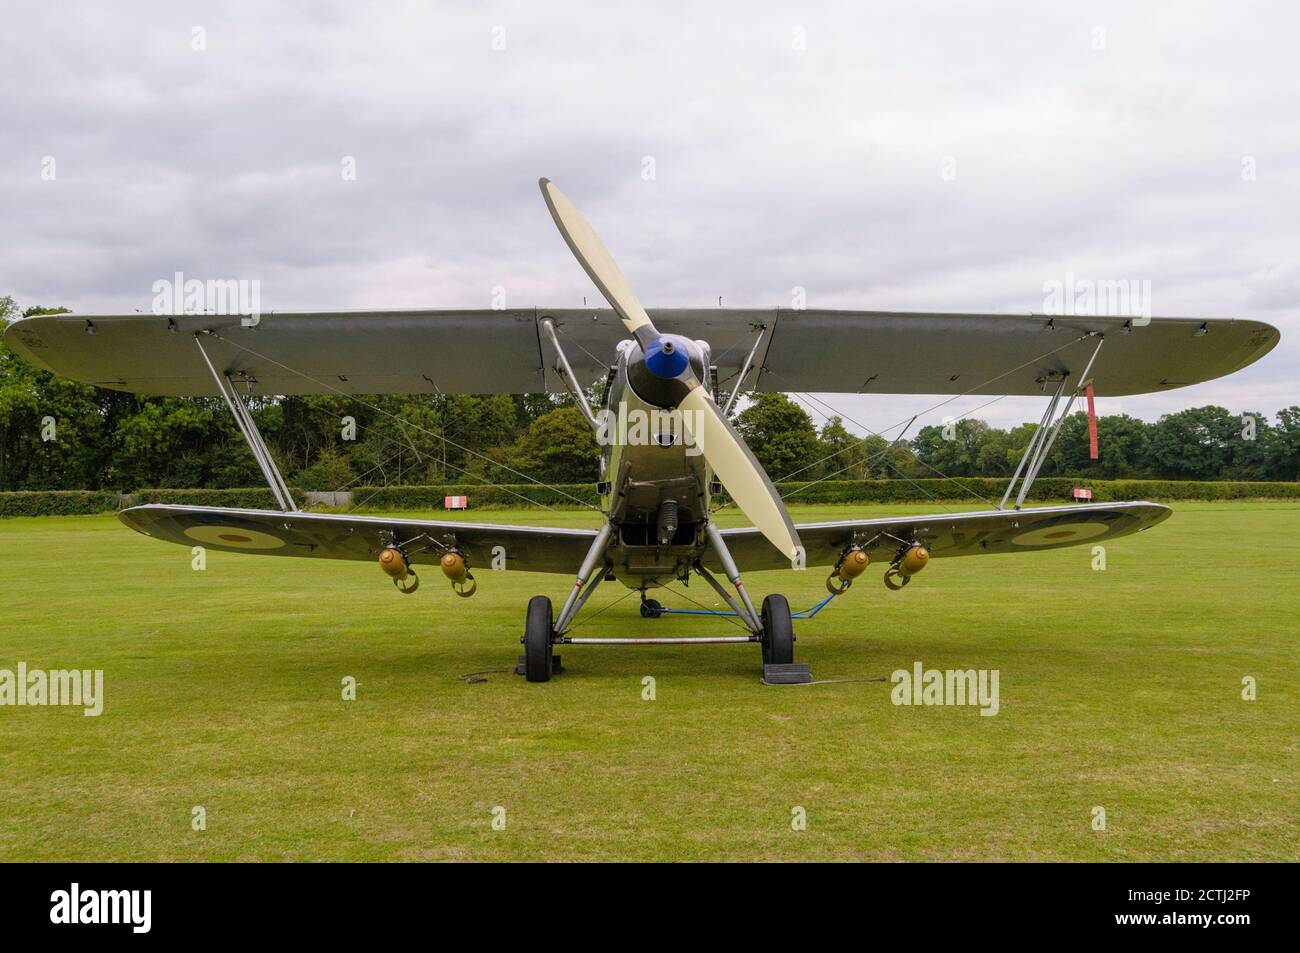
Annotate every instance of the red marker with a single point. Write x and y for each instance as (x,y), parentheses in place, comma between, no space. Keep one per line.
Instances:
(1092,426)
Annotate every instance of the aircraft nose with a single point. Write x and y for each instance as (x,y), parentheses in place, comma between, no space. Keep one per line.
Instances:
(667,356)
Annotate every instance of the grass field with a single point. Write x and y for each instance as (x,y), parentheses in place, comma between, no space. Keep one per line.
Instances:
(1120,689)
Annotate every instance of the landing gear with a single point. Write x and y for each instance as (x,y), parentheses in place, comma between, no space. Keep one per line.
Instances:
(778,631)
(651,608)
(538,635)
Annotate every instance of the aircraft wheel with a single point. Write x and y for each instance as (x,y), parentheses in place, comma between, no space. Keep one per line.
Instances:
(778,631)
(537,640)
(651,608)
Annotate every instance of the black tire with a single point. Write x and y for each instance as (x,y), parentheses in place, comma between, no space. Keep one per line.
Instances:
(651,608)
(778,631)
(537,640)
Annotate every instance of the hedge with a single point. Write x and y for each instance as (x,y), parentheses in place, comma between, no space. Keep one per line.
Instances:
(397,498)
(83,502)
(255,498)
(957,490)
(58,502)
(387,498)
(1044,490)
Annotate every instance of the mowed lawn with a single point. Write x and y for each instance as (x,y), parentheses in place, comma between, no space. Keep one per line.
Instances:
(1119,689)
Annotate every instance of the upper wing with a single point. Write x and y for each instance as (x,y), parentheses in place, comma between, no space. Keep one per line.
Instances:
(413,352)
(898,353)
(335,536)
(954,534)
(399,352)
(359,352)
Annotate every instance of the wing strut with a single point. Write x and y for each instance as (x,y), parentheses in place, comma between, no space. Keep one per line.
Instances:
(1040,444)
(744,370)
(244,421)
(565,372)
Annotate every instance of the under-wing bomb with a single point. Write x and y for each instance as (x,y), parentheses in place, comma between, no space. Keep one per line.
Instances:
(851,565)
(855,563)
(395,564)
(455,568)
(906,566)
(914,560)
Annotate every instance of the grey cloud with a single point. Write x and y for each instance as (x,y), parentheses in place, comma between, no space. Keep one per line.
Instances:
(775,167)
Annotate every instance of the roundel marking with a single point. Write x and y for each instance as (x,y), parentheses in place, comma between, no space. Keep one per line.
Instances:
(1060,533)
(234,537)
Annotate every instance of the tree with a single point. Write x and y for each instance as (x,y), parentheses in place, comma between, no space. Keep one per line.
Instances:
(1003,449)
(559,447)
(53,432)
(780,433)
(401,441)
(331,471)
(181,442)
(846,456)
(842,453)
(1249,449)
(1194,444)
(1283,442)
(954,448)
(314,424)
(1123,442)
(474,424)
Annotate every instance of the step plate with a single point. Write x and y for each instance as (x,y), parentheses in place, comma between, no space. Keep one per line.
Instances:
(796,673)
(556,667)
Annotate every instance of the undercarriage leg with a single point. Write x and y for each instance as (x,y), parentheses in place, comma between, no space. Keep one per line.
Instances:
(741,613)
(589,577)
(748,614)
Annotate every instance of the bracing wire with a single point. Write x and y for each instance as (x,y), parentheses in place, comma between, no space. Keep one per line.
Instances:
(424,430)
(391,457)
(908,422)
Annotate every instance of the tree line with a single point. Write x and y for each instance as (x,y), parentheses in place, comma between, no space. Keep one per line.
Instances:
(57,434)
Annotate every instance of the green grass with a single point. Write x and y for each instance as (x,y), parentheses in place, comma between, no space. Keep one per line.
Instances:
(1119,688)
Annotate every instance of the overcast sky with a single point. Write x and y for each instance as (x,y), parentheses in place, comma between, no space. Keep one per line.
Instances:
(913,156)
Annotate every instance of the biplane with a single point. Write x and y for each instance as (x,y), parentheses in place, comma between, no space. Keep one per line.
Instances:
(679,373)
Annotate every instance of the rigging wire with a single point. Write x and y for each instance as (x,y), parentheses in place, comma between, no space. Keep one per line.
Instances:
(591,615)
(425,430)
(388,442)
(847,466)
(901,475)
(914,454)
(701,605)
(928,410)
(933,407)
(578,344)
(878,454)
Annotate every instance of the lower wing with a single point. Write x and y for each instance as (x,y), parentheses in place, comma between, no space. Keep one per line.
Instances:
(337,536)
(953,534)
(549,549)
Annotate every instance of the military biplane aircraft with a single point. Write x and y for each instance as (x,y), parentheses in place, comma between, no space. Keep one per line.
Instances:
(681,369)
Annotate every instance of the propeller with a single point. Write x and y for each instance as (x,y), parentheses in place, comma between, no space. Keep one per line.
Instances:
(726,452)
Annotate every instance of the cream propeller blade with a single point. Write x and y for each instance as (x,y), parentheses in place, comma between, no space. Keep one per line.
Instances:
(732,461)
(739,471)
(595,259)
